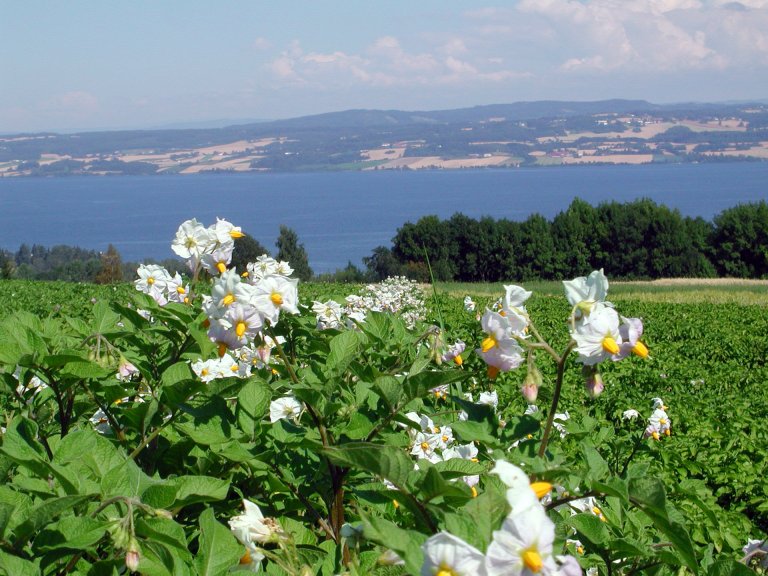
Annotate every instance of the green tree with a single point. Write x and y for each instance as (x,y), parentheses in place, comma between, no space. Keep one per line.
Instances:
(290,250)
(740,241)
(247,249)
(382,264)
(111,267)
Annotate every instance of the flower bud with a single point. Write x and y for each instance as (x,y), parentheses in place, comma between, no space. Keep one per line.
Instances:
(533,380)
(132,557)
(593,381)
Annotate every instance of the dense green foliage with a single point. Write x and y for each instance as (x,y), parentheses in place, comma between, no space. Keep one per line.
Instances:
(635,240)
(168,472)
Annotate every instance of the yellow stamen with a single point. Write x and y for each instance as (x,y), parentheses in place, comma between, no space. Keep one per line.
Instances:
(474,491)
(445,438)
(150,280)
(640,349)
(246,558)
(228,299)
(276,298)
(541,489)
(244,274)
(532,560)
(458,361)
(655,436)
(610,346)
(424,446)
(580,549)
(186,300)
(435,429)
(396,504)
(234,368)
(488,343)
(180,290)
(668,432)
(221,267)
(596,511)
(240,329)
(235,234)
(446,571)
(662,421)
(204,372)
(474,460)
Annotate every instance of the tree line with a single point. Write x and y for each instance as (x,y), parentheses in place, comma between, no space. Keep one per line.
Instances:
(74,264)
(633,240)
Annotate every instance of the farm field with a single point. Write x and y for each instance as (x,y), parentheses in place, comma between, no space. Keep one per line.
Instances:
(685,503)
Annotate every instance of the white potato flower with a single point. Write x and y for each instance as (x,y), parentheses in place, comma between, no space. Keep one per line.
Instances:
(285,407)
(447,555)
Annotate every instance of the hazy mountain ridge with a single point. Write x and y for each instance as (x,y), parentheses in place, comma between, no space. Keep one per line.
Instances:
(497,135)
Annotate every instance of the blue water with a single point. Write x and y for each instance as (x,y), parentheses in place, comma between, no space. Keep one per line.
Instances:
(341,216)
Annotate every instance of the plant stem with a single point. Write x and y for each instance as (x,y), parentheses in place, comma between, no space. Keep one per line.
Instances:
(555,398)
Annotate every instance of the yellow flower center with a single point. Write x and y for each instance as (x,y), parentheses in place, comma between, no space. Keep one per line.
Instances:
(221,267)
(446,571)
(150,280)
(204,372)
(240,329)
(445,438)
(488,343)
(532,560)
(458,361)
(474,491)
(425,446)
(235,234)
(640,349)
(246,558)
(228,299)
(396,504)
(541,489)
(662,421)
(180,290)
(655,436)
(610,345)
(244,274)
(234,368)
(276,298)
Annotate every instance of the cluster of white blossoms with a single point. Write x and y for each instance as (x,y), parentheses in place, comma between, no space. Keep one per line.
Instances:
(523,546)
(396,295)
(659,423)
(210,248)
(504,327)
(203,248)
(596,328)
(160,285)
(437,444)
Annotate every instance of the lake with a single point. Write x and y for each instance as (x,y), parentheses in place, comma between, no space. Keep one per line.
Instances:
(341,216)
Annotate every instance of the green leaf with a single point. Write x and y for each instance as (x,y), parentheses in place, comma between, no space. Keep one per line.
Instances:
(648,495)
(15,566)
(613,487)
(589,526)
(419,385)
(406,543)
(218,550)
(729,567)
(385,461)
(70,533)
(597,467)
(193,489)
(44,514)
(390,389)
(252,404)
(167,532)
(345,347)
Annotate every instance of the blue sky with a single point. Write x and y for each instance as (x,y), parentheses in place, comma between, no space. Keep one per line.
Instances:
(81,65)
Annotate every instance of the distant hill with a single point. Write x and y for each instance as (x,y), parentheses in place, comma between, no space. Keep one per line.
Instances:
(543,132)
